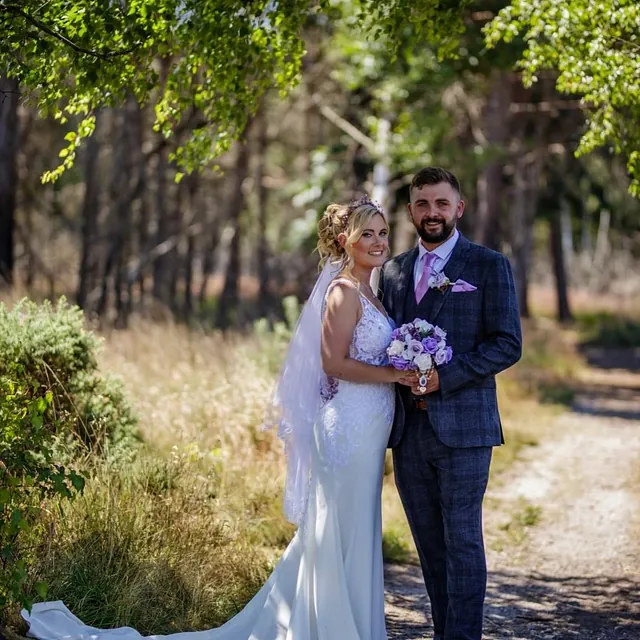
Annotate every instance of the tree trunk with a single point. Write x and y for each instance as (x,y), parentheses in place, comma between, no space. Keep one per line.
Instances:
(142,223)
(213,231)
(518,233)
(526,192)
(161,264)
(263,195)
(558,257)
(174,263)
(117,220)
(8,175)
(523,210)
(380,192)
(489,182)
(87,276)
(229,298)
(195,214)
(602,249)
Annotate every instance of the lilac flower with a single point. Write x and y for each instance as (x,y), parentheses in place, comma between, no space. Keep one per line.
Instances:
(399,363)
(328,389)
(418,345)
(414,348)
(430,345)
(440,333)
(441,356)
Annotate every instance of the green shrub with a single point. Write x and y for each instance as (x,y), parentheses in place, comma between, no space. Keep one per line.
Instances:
(56,353)
(605,329)
(53,403)
(28,475)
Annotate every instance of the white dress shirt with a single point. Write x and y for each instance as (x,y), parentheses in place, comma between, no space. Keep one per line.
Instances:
(443,253)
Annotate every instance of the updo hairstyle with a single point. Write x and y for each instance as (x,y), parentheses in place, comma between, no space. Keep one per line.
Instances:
(351,220)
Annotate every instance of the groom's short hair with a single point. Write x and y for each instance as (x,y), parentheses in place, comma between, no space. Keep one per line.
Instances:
(434,175)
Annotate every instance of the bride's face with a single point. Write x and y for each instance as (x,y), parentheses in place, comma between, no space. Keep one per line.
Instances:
(372,248)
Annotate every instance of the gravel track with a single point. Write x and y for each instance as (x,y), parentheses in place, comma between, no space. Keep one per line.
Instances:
(575,574)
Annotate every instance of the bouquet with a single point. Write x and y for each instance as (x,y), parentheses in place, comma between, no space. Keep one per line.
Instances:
(419,346)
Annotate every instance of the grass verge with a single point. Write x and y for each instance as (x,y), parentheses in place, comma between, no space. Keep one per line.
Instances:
(183,537)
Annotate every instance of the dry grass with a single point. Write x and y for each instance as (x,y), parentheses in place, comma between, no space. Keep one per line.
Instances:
(182,538)
(206,395)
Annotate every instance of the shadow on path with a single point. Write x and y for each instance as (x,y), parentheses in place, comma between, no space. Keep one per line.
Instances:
(541,606)
(526,606)
(608,400)
(627,358)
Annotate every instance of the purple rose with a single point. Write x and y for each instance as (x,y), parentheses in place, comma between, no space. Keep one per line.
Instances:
(430,345)
(449,352)
(399,363)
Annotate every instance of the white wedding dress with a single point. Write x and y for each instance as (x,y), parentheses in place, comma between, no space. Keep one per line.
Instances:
(329,583)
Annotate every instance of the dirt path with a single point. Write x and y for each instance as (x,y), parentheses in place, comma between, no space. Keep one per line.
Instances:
(562,529)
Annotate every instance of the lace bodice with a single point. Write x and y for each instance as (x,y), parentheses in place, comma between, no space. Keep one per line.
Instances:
(348,407)
(372,333)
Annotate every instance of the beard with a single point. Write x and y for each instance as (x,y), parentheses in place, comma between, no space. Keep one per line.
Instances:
(435,237)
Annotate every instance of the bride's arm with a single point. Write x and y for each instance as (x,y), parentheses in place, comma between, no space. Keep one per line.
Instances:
(339,322)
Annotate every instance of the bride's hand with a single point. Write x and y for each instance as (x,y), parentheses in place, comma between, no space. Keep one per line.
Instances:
(410,379)
(407,378)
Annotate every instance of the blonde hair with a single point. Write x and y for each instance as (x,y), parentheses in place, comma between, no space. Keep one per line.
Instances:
(351,220)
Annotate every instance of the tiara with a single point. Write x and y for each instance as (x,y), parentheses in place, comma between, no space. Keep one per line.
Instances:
(355,204)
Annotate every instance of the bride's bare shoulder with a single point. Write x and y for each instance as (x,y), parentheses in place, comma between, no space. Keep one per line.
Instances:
(342,293)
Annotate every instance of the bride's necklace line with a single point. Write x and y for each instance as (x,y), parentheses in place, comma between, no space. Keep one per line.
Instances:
(359,283)
(372,298)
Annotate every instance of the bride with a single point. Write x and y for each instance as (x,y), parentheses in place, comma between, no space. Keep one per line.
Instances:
(334,405)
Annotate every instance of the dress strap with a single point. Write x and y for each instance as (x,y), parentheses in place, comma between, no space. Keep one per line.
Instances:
(336,281)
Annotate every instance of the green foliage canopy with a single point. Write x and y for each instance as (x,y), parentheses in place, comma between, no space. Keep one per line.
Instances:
(203,64)
(595,48)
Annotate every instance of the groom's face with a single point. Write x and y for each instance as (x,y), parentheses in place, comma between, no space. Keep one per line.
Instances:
(434,210)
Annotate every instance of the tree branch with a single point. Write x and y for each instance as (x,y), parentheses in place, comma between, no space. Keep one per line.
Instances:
(343,124)
(64,39)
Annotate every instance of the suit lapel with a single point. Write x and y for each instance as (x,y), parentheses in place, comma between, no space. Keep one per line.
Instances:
(405,285)
(453,270)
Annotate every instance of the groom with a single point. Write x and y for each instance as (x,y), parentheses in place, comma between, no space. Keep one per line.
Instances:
(442,439)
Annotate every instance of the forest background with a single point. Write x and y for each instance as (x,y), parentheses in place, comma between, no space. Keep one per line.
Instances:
(163,164)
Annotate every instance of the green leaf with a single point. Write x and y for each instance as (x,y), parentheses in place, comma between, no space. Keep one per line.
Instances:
(42,589)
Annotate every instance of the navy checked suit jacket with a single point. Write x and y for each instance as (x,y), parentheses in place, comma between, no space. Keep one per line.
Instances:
(483,329)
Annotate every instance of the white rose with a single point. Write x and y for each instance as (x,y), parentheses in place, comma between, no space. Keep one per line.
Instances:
(440,333)
(423,326)
(395,348)
(424,362)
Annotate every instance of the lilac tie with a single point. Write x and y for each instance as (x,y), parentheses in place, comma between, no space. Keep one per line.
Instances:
(427,272)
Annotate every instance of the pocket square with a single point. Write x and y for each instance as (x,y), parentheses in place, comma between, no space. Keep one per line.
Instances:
(460,286)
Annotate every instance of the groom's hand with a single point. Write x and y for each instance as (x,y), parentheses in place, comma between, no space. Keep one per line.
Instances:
(433,384)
